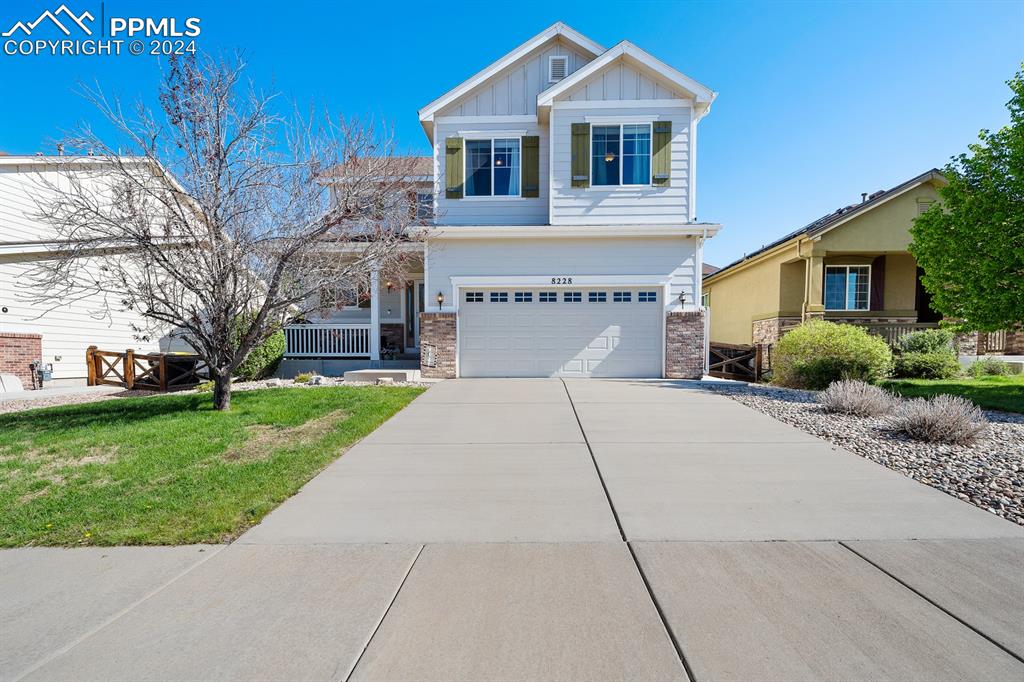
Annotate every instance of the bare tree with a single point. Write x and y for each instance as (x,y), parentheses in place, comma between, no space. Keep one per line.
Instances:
(218,220)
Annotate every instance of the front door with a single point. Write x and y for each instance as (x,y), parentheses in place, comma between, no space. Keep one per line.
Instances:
(414,297)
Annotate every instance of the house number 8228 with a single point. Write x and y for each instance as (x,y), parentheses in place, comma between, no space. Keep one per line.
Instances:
(561,280)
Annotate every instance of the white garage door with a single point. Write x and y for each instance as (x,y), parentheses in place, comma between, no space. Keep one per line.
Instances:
(600,332)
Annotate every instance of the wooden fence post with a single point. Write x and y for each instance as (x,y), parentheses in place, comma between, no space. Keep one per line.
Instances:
(128,365)
(163,372)
(90,365)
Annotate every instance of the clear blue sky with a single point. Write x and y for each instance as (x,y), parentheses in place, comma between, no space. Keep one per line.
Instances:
(817,101)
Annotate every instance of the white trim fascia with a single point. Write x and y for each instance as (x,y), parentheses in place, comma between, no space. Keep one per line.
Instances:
(624,104)
(621,120)
(426,114)
(359,247)
(562,231)
(701,92)
(491,281)
(524,118)
(490,134)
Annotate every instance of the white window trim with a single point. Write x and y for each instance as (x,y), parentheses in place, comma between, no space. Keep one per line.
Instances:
(620,122)
(491,137)
(845,266)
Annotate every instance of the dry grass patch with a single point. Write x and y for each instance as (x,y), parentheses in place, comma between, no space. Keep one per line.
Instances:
(265,439)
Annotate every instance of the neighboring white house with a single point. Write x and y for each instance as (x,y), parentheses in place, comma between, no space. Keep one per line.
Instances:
(565,241)
(31,331)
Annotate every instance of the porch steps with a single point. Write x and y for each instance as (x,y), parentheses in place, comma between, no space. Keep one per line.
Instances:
(372,375)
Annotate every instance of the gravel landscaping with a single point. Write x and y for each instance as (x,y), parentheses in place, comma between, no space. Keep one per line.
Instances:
(988,473)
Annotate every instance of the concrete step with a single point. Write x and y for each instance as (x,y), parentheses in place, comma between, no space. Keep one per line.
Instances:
(372,375)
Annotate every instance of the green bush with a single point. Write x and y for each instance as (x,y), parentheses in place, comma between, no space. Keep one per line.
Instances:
(817,353)
(303,377)
(926,341)
(264,357)
(989,367)
(205,387)
(935,365)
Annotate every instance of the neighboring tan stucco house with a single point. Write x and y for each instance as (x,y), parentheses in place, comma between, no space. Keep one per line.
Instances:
(564,239)
(851,265)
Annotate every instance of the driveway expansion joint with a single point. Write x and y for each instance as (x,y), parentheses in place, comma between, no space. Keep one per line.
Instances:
(931,601)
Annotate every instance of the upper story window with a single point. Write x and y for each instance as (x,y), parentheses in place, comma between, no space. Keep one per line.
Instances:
(847,287)
(492,167)
(620,154)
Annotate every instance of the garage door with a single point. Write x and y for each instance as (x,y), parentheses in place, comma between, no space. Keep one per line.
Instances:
(574,333)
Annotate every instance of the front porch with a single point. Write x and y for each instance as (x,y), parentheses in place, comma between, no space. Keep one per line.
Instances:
(377,329)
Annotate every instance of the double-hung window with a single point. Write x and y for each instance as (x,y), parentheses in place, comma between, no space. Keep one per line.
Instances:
(493,167)
(847,287)
(620,154)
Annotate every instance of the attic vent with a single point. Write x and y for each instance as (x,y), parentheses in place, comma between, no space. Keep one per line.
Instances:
(558,68)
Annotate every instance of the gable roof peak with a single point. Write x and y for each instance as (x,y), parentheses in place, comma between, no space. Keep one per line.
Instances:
(556,30)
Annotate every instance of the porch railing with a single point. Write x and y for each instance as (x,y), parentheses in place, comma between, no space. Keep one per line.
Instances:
(894,331)
(992,342)
(327,340)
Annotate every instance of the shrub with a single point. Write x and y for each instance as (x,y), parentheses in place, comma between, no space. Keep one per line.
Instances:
(263,358)
(855,397)
(990,367)
(942,419)
(205,387)
(934,365)
(926,341)
(303,377)
(817,353)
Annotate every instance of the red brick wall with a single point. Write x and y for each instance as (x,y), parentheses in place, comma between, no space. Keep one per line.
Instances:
(684,345)
(437,345)
(16,351)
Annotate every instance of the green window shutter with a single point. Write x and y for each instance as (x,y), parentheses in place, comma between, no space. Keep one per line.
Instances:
(453,168)
(531,166)
(661,152)
(580,155)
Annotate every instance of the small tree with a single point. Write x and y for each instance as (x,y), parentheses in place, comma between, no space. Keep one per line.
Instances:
(971,246)
(219,220)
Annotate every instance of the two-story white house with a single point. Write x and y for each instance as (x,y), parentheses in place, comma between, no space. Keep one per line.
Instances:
(565,241)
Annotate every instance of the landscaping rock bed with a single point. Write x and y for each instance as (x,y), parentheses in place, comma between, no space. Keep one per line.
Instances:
(988,473)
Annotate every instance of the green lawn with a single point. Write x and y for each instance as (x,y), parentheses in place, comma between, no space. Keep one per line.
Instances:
(170,469)
(992,392)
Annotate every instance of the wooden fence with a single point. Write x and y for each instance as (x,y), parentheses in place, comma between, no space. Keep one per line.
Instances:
(145,371)
(737,361)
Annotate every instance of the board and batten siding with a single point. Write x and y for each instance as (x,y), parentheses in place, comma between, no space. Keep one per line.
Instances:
(619,205)
(489,210)
(69,329)
(513,92)
(621,81)
(675,258)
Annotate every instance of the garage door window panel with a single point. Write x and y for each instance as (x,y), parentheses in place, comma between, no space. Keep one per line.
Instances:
(597,297)
(499,297)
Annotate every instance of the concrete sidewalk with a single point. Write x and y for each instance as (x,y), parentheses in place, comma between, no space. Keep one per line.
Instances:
(541,529)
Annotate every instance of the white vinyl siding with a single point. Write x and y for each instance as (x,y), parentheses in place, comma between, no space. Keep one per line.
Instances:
(674,258)
(514,91)
(621,81)
(495,210)
(610,205)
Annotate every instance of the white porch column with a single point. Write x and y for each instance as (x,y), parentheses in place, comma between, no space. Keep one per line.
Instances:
(375,316)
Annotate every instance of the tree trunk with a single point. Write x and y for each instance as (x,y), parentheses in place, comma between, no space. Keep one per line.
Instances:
(222,391)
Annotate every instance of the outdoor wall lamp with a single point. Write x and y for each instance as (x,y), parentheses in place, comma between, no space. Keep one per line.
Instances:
(440,299)
(389,284)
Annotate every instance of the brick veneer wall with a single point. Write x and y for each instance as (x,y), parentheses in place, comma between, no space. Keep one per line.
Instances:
(771,329)
(16,351)
(684,345)
(437,335)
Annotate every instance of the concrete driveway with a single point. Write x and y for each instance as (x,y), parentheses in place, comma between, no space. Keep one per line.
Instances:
(541,529)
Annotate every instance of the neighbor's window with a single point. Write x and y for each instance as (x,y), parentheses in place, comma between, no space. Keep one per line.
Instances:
(492,167)
(847,287)
(621,154)
(705,299)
